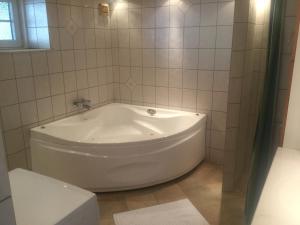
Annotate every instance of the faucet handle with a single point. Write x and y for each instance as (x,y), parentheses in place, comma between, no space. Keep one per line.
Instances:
(81,102)
(77,102)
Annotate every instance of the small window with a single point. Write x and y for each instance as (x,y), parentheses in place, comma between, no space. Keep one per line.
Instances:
(10,35)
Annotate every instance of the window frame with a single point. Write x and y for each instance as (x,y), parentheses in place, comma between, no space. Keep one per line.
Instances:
(15,25)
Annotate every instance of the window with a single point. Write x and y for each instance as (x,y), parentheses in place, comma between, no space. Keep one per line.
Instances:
(10,35)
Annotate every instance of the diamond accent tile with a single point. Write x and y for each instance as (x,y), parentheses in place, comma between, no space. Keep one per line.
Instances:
(71,27)
(184,5)
(130,83)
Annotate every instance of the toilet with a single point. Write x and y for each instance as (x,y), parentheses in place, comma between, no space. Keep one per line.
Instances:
(41,200)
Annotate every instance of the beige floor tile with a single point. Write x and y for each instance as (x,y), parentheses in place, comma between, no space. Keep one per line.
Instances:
(168,193)
(202,186)
(109,207)
(106,222)
(139,199)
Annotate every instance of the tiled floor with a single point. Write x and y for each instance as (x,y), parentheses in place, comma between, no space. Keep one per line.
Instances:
(202,186)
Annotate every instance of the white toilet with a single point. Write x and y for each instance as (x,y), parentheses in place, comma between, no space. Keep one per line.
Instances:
(41,200)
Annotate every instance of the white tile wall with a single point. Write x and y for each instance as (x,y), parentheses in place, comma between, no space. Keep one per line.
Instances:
(173,54)
(247,70)
(182,50)
(38,87)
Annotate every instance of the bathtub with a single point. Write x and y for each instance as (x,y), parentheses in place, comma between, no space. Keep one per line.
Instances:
(119,147)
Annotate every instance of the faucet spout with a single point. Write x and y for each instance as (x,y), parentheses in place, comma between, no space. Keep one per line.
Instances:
(82,103)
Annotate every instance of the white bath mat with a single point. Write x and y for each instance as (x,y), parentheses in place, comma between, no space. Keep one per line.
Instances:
(180,212)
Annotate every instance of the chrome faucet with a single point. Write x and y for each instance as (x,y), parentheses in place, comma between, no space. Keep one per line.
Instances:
(82,103)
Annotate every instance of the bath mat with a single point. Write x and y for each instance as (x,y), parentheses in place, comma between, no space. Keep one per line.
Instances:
(180,212)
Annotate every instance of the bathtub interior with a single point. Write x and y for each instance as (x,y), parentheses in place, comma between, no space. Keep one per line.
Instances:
(118,123)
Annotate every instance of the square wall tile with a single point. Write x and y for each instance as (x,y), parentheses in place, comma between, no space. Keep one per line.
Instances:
(217,156)
(220,101)
(207,37)
(39,63)
(176,16)
(17,160)
(175,58)
(221,81)
(59,105)
(175,97)
(11,117)
(92,77)
(7,66)
(193,15)
(225,13)
(204,100)
(57,83)
(162,77)
(8,92)
(206,59)
(68,60)
(209,14)
(42,86)
(54,61)
(162,96)
(162,58)
(135,38)
(28,113)
(176,37)
(189,98)
(205,80)
(135,18)
(149,94)
(148,17)
(44,108)
(175,78)
(149,76)
(222,59)
(162,17)
(191,37)
(81,79)
(219,121)
(217,139)
(69,81)
(162,38)
(224,37)
(26,89)
(190,79)
(137,94)
(22,63)
(125,93)
(14,141)
(149,58)
(190,58)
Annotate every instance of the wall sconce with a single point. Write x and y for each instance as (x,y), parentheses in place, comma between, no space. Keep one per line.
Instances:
(103,9)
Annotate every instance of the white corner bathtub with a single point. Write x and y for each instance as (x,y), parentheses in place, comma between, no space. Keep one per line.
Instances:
(119,147)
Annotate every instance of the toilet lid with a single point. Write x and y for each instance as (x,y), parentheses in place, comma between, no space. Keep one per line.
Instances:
(41,200)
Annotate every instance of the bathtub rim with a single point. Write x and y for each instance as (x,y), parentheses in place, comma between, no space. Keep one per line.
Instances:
(128,149)
(39,136)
